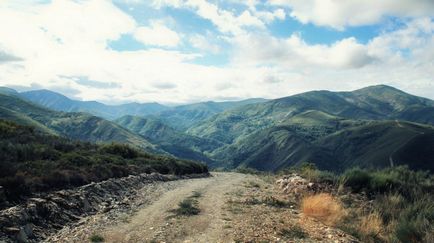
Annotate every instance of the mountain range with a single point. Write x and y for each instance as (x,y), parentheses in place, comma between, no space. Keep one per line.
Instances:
(375,127)
(183,114)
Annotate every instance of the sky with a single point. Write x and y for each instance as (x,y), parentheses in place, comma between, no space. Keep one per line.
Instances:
(185,51)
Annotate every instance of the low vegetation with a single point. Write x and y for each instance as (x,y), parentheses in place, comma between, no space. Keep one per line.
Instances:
(324,207)
(389,205)
(31,161)
(295,232)
(96,238)
(188,206)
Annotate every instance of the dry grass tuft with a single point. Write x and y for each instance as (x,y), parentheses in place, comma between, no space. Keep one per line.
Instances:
(371,226)
(323,207)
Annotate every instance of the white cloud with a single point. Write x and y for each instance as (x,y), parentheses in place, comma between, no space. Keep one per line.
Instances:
(293,52)
(340,14)
(414,41)
(157,34)
(204,43)
(8,57)
(225,20)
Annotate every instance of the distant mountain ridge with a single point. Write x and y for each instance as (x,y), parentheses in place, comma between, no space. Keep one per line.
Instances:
(188,114)
(60,102)
(319,127)
(374,127)
(375,102)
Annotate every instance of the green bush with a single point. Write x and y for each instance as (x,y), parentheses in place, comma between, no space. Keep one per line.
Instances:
(357,179)
(122,150)
(187,207)
(96,238)
(400,179)
(403,198)
(382,182)
(33,162)
(410,231)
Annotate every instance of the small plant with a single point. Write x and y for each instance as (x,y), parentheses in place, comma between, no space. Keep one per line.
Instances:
(188,206)
(96,238)
(252,201)
(295,232)
(323,207)
(253,184)
(274,202)
(196,194)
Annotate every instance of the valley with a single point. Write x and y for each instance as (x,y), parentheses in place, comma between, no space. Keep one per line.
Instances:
(334,130)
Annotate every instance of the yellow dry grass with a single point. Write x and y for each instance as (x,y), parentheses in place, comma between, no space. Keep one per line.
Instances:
(371,225)
(323,207)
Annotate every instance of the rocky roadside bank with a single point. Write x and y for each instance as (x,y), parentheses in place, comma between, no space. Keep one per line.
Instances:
(39,217)
(269,211)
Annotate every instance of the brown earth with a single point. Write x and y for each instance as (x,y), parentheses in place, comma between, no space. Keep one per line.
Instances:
(233,208)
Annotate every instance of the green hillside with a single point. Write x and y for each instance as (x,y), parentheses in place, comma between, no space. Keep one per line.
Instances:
(370,127)
(80,126)
(374,145)
(31,161)
(187,116)
(169,139)
(370,145)
(270,150)
(372,103)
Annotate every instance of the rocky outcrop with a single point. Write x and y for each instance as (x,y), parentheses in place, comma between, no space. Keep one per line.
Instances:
(295,185)
(39,217)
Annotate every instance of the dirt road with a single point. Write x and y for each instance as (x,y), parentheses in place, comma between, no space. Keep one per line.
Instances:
(153,221)
(233,208)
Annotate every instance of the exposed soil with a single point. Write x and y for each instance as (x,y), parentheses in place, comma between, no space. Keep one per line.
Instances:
(233,208)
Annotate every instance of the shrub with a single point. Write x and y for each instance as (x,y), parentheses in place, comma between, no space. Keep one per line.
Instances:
(122,150)
(381,182)
(323,207)
(356,179)
(187,207)
(15,187)
(402,201)
(410,231)
(34,162)
(96,238)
